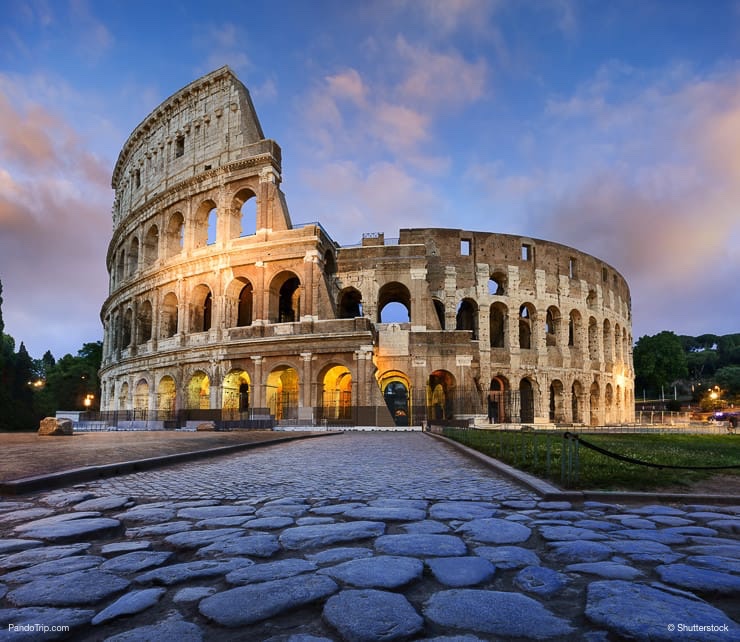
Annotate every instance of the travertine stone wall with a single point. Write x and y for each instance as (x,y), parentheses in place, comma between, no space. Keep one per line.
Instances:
(218,302)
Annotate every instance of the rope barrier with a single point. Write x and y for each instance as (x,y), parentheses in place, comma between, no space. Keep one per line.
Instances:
(631,460)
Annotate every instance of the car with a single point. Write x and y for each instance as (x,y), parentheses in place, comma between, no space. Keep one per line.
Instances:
(731,417)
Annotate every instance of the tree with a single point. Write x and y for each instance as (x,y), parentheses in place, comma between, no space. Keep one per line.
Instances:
(728,378)
(659,361)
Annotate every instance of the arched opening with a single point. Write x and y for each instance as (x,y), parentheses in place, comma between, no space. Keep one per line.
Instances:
(202,309)
(350,304)
(282,393)
(199,391)
(235,390)
(594,404)
(396,395)
(557,406)
(166,395)
(617,343)
(591,300)
(526,401)
(336,398)
(169,316)
(439,309)
(440,396)
(593,339)
(141,399)
(330,263)
(175,236)
(576,402)
(497,284)
(244,306)
(127,325)
(526,321)
(608,403)
(133,257)
(212,226)
(248,214)
(496,400)
(552,326)
(394,303)
(467,317)
(205,223)
(144,323)
(608,342)
(123,397)
(497,325)
(121,267)
(574,330)
(151,245)
(285,298)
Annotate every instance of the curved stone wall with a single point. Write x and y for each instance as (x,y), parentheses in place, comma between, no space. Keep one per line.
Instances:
(219,303)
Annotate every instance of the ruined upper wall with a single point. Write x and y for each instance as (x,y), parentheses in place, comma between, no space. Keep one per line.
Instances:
(207,124)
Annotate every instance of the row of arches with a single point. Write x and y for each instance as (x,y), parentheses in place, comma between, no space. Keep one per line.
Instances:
(176,233)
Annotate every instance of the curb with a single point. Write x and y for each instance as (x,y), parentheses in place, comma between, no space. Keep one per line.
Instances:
(90,473)
(553,493)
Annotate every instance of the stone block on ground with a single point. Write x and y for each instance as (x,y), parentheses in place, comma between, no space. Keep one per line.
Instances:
(55,427)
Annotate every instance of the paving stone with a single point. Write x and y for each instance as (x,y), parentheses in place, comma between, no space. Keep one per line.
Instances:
(462,510)
(166,528)
(256,545)
(699,579)
(670,520)
(638,522)
(365,615)
(578,551)
(301,537)
(62,498)
(53,567)
(42,618)
(461,571)
(651,611)
(723,550)
(658,509)
(88,586)
(269,523)
(135,561)
(76,529)
(382,571)
(608,570)
(645,551)
(652,535)
(186,571)
(221,522)
(193,593)
(691,531)
(519,504)
(421,545)
(3,591)
(270,571)
(336,509)
(706,515)
(16,545)
(117,548)
(492,530)
(129,604)
(387,513)
(110,502)
(727,564)
(311,521)
(540,580)
(336,555)
(213,512)
(554,505)
(508,557)
(282,510)
(255,602)
(566,515)
(173,628)
(494,612)
(595,525)
(53,520)
(429,526)
(726,525)
(25,514)
(196,539)
(144,514)
(565,533)
(39,555)
(9,506)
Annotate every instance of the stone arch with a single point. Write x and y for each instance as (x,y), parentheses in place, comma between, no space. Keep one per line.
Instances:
(205,222)
(497,284)
(121,266)
(133,257)
(577,402)
(350,303)
(591,300)
(199,391)
(282,392)
(527,319)
(608,403)
(526,401)
(557,402)
(593,339)
(396,389)
(169,316)
(607,340)
(575,322)
(497,399)
(285,298)
(175,234)
(441,386)
(594,404)
(123,397)
(330,263)
(498,322)
(552,326)
(144,322)
(166,396)
(617,343)
(202,309)
(151,245)
(141,398)
(128,322)
(244,221)
(393,297)
(467,317)
(335,381)
(236,389)
(439,309)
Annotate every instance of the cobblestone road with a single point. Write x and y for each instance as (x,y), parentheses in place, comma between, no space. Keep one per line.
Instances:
(358,537)
(360,465)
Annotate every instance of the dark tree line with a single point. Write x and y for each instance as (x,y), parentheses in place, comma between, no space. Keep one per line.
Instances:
(31,389)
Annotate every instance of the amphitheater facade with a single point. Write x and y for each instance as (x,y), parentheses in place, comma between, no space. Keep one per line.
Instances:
(221,307)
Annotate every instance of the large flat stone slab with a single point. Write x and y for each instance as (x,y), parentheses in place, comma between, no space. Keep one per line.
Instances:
(173,628)
(702,580)
(367,615)
(8,546)
(492,530)
(270,571)
(317,535)
(43,617)
(88,586)
(186,571)
(462,510)
(256,602)
(508,557)
(461,571)
(53,567)
(540,581)
(257,545)
(382,571)
(38,555)
(75,529)
(421,545)
(130,603)
(135,561)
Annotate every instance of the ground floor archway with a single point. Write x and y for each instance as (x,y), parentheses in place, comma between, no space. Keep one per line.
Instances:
(282,393)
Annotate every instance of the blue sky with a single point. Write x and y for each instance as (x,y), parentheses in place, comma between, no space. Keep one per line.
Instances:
(613,127)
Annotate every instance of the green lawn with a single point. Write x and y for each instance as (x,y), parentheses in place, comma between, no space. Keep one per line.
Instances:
(588,469)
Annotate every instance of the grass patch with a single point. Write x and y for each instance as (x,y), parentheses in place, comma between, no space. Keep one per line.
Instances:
(546,455)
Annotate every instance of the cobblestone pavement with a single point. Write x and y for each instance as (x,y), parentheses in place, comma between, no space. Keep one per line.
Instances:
(358,537)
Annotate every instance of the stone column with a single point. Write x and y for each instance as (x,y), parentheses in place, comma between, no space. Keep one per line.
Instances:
(258,384)
(307,377)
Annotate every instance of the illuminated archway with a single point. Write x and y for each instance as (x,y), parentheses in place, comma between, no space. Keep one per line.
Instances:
(282,393)
(396,390)
(141,397)
(199,391)
(337,393)
(440,395)
(166,394)
(236,388)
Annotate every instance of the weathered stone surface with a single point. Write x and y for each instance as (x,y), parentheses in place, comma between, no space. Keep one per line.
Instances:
(564,533)
(145,514)
(387,513)
(492,530)
(269,523)
(166,528)
(62,498)
(111,502)
(53,520)
(699,579)
(56,427)
(651,611)
(508,557)
(368,615)
(248,604)
(461,571)
(645,551)
(88,586)
(324,534)
(43,617)
(25,514)
(336,555)
(382,571)
(421,545)
(196,539)
(540,580)
(257,545)
(725,564)
(282,510)
(462,510)
(39,555)
(193,593)
(8,546)
(206,426)
(726,525)
(494,612)
(117,548)
(429,526)
(173,628)
(270,571)
(53,567)
(186,571)
(210,512)
(579,551)
(135,561)
(661,536)
(608,570)
(130,603)
(75,529)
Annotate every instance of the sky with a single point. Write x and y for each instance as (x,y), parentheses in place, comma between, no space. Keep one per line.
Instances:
(612,127)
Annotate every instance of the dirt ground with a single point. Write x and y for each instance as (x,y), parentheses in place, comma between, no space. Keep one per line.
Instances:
(720,484)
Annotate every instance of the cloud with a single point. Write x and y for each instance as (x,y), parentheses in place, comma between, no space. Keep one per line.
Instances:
(223,45)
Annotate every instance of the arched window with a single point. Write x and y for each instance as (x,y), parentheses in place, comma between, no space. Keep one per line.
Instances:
(350,304)
(244,207)
(205,223)
(439,308)
(175,236)
(526,319)
(467,317)
(151,245)
(121,267)
(212,226)
(497,284)
(202,309)
(244,313)
(394,303)
(552,326)
(607,340)
(133,257)
(169,316)
(289,306)
(144,323)
(593,339)
(127,325)
(497,325)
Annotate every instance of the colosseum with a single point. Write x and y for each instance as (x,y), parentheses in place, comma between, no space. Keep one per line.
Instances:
(221,307)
